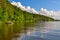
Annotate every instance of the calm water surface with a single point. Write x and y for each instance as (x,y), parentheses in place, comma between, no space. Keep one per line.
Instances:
(41,31)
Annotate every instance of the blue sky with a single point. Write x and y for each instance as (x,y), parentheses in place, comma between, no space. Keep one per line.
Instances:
(38,4)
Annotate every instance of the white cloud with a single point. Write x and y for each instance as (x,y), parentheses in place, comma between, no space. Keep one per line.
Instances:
(25,8)
(18,4)
(33,10)
(53,14)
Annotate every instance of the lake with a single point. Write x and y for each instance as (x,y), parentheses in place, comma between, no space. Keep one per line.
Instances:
(38,31)
(41,31)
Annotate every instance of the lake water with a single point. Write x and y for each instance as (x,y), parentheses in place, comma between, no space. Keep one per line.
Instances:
(41,31)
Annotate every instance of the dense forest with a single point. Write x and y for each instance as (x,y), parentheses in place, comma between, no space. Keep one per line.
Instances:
(9,12)
(19,18)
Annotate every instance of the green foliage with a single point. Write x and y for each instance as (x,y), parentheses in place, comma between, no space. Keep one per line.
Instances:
(20,19)
(9,12)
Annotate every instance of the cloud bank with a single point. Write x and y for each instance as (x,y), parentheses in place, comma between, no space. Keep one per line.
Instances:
(24,8)
(51,13)
(42,11)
